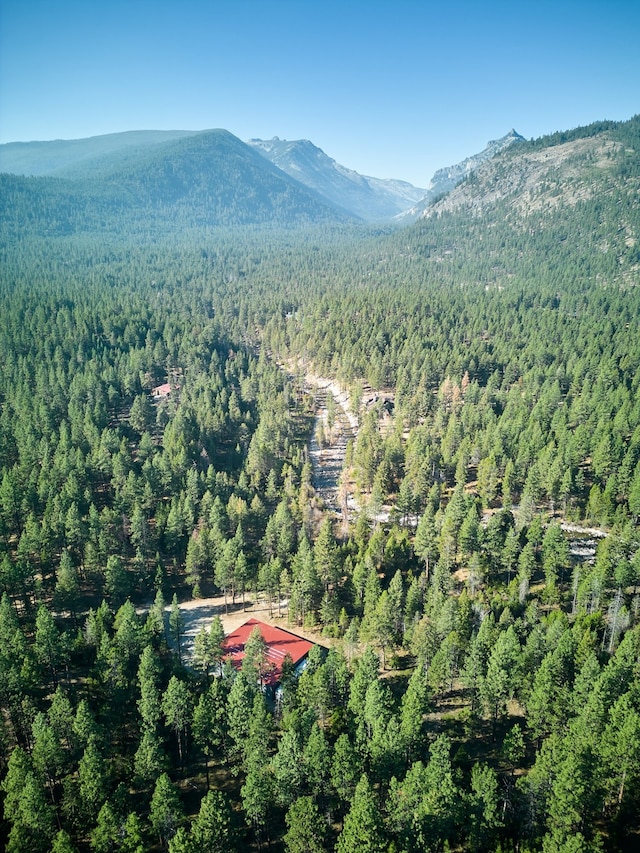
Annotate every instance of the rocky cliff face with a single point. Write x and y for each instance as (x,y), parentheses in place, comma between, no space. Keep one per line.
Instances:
(530,181)
(446,179)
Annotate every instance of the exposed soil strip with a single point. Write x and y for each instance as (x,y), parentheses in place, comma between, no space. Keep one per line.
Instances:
(327,461)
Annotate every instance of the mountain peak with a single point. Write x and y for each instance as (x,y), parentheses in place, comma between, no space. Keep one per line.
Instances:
(445,179)
(209,178)
(455,173)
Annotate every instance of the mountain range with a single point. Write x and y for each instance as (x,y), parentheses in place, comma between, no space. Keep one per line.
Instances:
(148,182)
(144,184)
(197,168)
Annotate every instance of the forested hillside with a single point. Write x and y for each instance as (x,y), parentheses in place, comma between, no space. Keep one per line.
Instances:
(475,683)
(73,156)
(155,191)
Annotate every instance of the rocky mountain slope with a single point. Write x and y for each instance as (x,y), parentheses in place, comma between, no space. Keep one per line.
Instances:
(371,199)
(564,208)
(444,180)
(534,179)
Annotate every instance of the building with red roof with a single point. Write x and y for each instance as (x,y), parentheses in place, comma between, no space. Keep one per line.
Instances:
(161,391)
(279,644)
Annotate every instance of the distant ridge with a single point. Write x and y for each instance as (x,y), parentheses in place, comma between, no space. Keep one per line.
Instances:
(561,170)
(205,179)
(165,181)
(371,199)
(119,155)
(68,155)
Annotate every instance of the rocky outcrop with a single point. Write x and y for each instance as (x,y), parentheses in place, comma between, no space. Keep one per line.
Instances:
(446,179)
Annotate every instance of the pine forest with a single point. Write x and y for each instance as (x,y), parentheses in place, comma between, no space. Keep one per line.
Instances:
(470,576)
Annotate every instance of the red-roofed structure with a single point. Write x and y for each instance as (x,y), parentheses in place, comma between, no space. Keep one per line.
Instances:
(279,644)
(161,391)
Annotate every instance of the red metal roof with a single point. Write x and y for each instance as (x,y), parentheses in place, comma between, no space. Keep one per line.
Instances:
(279,644)
(162,390)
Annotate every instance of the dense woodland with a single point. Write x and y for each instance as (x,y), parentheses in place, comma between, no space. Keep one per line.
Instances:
(476,683)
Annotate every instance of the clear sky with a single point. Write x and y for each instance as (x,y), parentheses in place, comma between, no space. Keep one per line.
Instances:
(393,89)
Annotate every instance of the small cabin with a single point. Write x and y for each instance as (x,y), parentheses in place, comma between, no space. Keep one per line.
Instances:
(161,391)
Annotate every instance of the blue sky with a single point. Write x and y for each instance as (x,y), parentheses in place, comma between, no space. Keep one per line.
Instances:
(390,89)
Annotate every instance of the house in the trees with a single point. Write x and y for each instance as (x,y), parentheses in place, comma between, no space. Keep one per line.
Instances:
(161,391)
(278,644)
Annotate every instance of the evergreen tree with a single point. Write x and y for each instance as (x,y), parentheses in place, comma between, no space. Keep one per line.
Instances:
(484,807)
(306,828)
(288,769)
(239,711)
(150,759)
(92,781)
(176,625)
(176,707)
(62,843)
(210,723)
(106,833)
(415,704)
(148,679)
(363,828)
(498,684)
(211,831)
(345,768)
(165,811)
(317,764)
(32,818)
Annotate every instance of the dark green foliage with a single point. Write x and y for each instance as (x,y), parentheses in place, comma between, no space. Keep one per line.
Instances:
(363,828)
(306,828)
(165,811)
(212,831)
(495,705)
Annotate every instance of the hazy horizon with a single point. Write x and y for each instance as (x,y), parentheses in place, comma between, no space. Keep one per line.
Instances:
(393,91)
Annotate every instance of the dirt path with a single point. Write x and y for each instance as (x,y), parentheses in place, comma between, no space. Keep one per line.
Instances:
(340,395)
(594,532)
(327,460)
